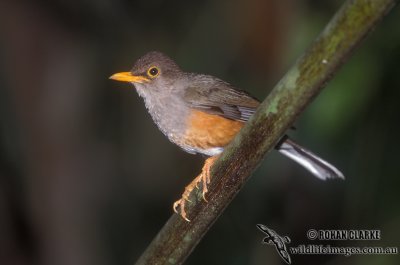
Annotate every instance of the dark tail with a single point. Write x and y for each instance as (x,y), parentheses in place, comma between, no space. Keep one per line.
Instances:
(316,165)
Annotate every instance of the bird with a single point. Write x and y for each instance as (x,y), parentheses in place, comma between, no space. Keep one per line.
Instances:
(280,242)
(202,114)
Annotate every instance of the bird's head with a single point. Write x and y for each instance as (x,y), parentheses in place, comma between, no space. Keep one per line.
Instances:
(152,73)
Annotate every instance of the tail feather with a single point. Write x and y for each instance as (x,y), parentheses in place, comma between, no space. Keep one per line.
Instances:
(316,165)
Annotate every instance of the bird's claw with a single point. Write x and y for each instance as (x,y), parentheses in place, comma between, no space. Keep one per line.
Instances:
(204,178)
(181,204)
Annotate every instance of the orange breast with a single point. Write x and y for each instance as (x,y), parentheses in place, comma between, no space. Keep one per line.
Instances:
(206,131)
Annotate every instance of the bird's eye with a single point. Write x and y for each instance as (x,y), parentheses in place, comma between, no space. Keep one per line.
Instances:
(153,72)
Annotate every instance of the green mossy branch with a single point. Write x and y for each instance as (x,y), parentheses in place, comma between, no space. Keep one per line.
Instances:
(276,114)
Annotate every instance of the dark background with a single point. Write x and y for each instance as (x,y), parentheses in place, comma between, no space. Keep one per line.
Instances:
(87,178)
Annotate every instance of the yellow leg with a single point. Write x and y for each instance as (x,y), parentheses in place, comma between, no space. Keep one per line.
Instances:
(204,178)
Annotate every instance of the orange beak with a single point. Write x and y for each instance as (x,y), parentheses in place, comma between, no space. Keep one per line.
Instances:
(129,77)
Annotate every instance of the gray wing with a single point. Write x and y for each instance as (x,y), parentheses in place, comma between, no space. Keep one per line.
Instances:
(217,97)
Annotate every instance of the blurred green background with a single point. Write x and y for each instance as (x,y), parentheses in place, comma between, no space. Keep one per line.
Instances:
(87,178)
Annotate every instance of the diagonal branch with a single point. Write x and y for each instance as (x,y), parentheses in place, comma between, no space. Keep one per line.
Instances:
(275,115)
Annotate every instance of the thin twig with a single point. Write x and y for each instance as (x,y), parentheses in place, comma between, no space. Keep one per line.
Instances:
(275,115)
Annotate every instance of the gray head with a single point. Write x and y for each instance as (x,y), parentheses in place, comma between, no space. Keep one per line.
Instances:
(152,73)
(158,80)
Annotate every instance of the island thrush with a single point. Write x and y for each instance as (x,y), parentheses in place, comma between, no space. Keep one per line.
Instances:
(202,114)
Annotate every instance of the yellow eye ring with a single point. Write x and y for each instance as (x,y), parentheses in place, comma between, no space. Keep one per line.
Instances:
(153,72)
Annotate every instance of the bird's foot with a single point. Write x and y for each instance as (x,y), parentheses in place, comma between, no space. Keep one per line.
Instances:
(204,178)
